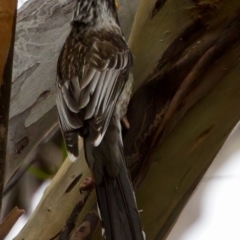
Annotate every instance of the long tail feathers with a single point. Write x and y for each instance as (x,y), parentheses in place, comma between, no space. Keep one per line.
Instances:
(115,194)
(118,208)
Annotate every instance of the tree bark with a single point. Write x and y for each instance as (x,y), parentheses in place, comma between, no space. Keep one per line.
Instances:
(7,32)
(42,27)
(186,101)
(10,221)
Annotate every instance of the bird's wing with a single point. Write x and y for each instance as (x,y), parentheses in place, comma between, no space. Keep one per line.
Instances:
(90,96)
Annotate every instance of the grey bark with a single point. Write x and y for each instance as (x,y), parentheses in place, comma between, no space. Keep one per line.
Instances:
(42,27)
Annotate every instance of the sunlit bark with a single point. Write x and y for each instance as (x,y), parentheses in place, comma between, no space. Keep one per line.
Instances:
(186,102)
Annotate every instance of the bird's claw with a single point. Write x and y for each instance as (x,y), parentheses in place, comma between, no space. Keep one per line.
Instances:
(87,185)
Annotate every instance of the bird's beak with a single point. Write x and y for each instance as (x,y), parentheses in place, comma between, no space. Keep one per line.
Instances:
(116,4)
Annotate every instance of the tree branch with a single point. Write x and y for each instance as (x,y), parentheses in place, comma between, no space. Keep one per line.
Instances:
(7,31)
(179,119)
(33,114)
(9,221)
(70,223)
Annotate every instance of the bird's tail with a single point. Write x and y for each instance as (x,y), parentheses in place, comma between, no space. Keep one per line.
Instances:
(118,208)
(115,193)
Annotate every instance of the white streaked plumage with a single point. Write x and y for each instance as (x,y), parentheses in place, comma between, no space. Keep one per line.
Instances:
(93,68)
(72,158)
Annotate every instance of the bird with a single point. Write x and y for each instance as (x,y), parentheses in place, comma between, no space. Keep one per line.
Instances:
(93,88)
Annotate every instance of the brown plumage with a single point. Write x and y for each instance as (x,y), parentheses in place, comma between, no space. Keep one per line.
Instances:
(92,70)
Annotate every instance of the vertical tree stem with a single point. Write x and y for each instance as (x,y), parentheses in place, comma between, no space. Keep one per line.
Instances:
(7,26)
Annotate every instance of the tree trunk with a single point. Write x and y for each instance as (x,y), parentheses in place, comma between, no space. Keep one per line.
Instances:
(42,27)
(186,101)
(7,32)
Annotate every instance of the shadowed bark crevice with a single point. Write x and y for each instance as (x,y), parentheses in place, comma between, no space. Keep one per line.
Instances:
(9,25)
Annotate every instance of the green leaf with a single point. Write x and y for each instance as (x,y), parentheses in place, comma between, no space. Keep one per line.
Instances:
(38,173)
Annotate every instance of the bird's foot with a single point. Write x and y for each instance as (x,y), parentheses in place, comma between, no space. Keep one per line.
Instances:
(87,185)
(125,122)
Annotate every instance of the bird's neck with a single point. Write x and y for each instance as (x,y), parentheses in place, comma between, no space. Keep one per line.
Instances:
(95,14)
(106,20)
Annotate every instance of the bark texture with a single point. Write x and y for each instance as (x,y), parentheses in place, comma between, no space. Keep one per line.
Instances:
(42,27)
(186,101)
(7,33)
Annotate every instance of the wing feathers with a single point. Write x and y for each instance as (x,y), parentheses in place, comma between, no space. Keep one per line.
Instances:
(92,92)
(68,120)
(90,110)
(85,95)
(70,101)
(109,92)
(87,77)
(108,81)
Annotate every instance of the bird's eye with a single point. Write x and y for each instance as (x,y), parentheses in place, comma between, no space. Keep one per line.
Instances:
(116,4)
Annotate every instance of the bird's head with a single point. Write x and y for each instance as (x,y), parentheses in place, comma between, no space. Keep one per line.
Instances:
(88,11)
